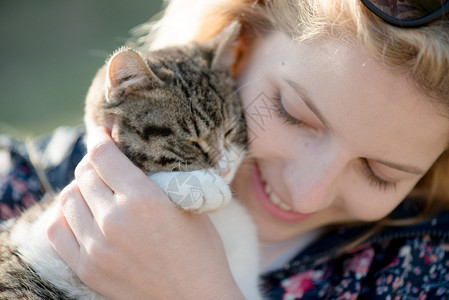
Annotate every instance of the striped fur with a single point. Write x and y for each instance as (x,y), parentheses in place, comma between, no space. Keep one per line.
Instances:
(172,114)
(171,110)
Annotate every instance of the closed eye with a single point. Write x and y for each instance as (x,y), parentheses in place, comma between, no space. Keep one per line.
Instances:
(199,148)
(194,144)
(283,114)
(375,180)
(227,133)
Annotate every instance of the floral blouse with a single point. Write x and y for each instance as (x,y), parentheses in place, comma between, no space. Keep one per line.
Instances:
(398,263)
(409,262)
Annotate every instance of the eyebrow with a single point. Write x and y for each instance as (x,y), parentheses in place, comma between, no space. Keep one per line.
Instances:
(304,95)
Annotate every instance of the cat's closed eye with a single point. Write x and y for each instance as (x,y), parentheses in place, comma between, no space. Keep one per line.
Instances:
(194,144)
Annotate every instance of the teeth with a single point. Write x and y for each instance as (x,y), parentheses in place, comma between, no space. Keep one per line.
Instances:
(285,207)
(267,189)
(275,199)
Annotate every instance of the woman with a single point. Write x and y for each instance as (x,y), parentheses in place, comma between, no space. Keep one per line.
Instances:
(347,178)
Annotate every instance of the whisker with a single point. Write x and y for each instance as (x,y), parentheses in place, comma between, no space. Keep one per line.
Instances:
(186,166)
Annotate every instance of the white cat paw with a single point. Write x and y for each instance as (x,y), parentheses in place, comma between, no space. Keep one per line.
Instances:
(216,193)
(198,191)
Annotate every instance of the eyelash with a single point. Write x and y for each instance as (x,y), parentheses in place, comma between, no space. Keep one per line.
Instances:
(282,113)
(376,181)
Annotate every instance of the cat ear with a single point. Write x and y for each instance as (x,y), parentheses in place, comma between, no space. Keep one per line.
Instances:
(127,68)
(224,42)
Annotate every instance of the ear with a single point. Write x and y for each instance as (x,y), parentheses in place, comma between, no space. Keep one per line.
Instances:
(127,68)
(225,43)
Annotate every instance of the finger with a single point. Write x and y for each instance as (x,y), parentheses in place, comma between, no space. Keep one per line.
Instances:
(62,239)
(97,195)
(77,213)
(114,168)
(89,182)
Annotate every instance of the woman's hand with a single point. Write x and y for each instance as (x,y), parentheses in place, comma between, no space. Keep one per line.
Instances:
(125,239)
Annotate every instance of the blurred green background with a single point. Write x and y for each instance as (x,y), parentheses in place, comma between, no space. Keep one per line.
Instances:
(50,51)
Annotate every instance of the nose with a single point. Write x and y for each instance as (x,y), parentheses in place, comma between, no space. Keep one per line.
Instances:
(313,181)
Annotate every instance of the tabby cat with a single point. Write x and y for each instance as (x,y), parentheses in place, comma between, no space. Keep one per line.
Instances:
(176,115)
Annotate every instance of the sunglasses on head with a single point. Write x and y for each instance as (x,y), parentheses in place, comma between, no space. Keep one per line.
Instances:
(408,13)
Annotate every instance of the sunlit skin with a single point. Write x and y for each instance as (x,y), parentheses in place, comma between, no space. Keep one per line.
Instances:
(344,137)
(349,148)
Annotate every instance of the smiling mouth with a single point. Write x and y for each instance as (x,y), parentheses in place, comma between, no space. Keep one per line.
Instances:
(272,203)
(274,199)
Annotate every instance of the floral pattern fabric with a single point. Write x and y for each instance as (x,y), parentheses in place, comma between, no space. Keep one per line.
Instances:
(405,268)
(20,185)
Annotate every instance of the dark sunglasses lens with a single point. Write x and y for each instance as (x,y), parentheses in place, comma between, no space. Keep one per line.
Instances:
(408,9)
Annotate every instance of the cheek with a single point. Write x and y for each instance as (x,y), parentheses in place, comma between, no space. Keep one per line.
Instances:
(369,204)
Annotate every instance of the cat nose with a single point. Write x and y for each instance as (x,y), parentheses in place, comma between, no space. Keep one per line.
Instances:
(224,173)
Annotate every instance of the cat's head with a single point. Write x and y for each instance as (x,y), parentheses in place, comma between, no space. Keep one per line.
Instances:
(175,108)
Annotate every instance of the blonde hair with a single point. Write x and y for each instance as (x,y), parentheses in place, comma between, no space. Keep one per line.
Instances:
(421,54)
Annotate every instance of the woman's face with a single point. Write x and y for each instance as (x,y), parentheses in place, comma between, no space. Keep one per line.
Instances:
(334,136)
